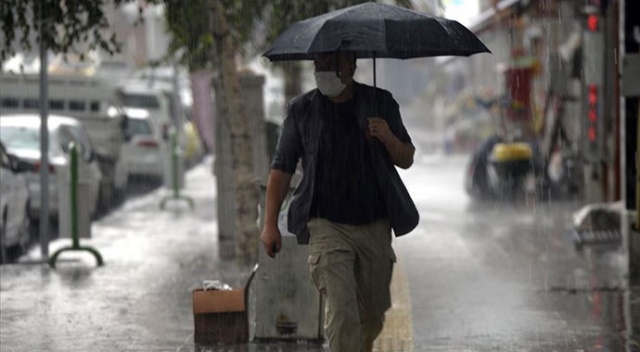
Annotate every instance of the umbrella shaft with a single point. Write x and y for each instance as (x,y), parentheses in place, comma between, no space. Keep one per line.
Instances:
(374,71)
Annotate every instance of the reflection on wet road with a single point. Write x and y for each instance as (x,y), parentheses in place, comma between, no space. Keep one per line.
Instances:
(471,277)
(492,277)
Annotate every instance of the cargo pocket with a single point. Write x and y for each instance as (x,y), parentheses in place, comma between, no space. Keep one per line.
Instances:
(384,302)
(392,263)
(313,260)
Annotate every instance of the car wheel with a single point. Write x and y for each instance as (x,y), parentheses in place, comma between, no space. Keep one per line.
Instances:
(3,249)
(25,232)
(119,197)
(103,200)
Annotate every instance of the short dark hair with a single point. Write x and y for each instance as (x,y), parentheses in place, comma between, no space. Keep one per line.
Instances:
(350,56)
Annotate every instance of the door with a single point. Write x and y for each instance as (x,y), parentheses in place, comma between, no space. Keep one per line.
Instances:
(14,199)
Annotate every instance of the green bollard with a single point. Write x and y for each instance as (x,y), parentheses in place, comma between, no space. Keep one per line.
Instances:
(173,138)
(74,214)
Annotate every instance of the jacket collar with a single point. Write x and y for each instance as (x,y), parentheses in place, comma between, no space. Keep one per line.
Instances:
(364,109)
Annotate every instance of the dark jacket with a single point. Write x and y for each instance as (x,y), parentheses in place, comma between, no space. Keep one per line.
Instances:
(300,140)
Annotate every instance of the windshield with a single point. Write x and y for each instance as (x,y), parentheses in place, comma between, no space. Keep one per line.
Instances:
(138,127)
(140,101)
(20,137)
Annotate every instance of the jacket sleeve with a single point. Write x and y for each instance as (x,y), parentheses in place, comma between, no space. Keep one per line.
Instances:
(394,120)
(289,148)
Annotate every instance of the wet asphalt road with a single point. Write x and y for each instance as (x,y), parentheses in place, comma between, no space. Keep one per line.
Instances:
(482,277)
(506,277)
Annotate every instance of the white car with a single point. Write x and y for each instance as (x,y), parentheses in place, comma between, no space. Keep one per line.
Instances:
(91,100)
(21,136)
(146,146)
(14,202)
(139,95)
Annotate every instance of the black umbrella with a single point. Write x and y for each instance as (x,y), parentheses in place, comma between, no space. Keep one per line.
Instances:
(373,30)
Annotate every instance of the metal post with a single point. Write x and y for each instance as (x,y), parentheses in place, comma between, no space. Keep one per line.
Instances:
(174,173)
(174,164)
(44,145)
(177,103)
(73,151)
(74,196)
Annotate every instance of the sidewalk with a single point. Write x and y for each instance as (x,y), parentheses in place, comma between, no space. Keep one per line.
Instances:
(140,300)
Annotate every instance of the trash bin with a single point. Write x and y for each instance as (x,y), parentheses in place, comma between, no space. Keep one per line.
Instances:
(83,210)
(289,306)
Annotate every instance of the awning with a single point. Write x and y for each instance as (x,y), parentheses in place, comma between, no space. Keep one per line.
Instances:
(485,18)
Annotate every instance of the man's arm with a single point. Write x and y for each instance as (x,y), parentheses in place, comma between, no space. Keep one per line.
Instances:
(401,153)
(277,189)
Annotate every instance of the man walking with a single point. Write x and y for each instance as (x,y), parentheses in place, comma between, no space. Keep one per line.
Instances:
(350,137)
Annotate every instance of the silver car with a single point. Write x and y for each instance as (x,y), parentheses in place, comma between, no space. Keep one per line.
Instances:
(15,223)
(21,136)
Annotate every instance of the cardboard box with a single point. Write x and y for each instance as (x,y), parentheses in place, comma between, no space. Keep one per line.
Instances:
(220,317)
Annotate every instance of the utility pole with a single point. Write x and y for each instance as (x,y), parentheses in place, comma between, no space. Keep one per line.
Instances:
(630,163)
(44,141)
(630,109)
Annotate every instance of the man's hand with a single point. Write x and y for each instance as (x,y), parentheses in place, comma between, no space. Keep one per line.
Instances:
(272,240)
(401,154)
(379,128)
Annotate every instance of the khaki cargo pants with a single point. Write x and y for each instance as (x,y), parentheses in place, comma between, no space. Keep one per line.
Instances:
(351,267)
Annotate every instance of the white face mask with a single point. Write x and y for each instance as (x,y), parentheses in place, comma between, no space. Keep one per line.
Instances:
(329,83)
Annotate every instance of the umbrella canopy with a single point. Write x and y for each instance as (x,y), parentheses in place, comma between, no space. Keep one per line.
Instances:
(374,30)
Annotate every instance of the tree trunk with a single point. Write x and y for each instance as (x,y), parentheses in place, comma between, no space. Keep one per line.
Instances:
(246,191)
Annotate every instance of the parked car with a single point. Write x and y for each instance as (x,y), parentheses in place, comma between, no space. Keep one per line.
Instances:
(15,223)
(91,100)
(21,135)
(157,100)
(146,146)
